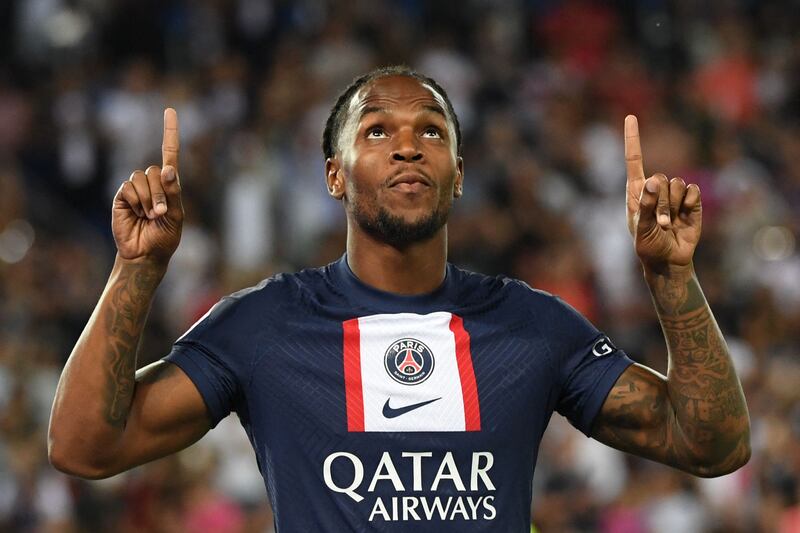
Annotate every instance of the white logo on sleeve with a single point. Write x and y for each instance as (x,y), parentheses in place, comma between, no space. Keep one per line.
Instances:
(603,347)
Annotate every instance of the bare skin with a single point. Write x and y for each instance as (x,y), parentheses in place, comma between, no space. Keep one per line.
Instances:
(399,129)
(397,154)
(696,418)
(106,418)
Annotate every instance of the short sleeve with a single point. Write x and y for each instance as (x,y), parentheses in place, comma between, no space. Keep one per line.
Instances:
(207,354)
(588,365)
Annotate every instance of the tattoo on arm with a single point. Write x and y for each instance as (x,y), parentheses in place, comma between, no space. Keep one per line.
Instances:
(129,306)
(698,415)
(633,414)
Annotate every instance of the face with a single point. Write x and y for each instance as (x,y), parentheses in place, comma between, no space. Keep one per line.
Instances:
(396,167)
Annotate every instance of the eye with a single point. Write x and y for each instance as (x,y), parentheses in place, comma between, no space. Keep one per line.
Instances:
(432,133)
(376,132)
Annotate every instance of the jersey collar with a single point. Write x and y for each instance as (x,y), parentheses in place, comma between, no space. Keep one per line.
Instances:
(441,299)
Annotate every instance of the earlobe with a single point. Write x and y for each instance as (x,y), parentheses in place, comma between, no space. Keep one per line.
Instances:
(333,178)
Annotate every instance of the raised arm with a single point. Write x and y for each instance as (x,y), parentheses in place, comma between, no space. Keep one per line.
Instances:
(695,419)
(106,418)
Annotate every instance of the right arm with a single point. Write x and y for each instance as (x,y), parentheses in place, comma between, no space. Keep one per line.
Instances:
(695,419)
(106,417)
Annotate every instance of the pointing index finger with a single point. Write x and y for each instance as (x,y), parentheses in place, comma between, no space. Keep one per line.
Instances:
(633,152)
(635,170)
(171,143)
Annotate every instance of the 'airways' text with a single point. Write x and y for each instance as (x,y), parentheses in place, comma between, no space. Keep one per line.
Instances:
(448,508)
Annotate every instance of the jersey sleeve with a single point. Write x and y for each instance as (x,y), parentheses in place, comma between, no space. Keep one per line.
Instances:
(207,353)
(588,365)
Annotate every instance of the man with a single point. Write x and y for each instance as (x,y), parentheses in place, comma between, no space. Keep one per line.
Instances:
(391,390)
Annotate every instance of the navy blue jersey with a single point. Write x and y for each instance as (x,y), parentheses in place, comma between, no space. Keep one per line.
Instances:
(370,411)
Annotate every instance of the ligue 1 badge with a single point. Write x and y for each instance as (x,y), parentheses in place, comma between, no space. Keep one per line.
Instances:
(603,347)
(408,361)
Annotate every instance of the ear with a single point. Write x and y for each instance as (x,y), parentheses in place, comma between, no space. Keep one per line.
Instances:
(333,178)
(458,185)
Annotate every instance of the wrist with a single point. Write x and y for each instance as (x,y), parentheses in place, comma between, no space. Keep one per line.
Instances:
(667,271)
(148,269)
(674,288)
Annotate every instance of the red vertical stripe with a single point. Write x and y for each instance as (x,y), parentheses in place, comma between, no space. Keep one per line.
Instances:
(354,394)
(469,390)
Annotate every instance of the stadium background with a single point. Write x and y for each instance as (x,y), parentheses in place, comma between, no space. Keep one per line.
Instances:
(541,88)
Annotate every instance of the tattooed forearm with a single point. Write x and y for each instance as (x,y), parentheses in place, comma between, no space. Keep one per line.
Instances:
(705,392)
(129,305)
(695,419)
(95,410)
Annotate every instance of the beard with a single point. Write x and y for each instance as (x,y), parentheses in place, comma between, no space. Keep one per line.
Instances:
(397,232)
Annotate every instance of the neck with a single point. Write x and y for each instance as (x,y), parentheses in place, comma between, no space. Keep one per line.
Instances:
(416,269)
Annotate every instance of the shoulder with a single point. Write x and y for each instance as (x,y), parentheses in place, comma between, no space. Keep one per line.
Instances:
(282,288)
(519,304)
(517,292)
(260,305)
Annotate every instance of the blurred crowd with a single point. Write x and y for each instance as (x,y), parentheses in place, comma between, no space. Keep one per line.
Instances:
(540,87)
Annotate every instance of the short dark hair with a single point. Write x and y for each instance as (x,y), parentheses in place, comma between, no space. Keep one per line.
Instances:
(337,118)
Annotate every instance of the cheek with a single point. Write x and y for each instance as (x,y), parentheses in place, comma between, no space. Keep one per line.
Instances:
(365,174)
(448,169)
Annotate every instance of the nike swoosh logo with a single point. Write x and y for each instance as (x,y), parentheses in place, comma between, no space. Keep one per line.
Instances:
(389,412)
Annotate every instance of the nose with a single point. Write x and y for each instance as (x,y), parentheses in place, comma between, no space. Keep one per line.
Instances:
(406,147)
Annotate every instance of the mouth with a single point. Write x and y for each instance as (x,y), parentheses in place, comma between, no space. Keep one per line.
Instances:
(410,181)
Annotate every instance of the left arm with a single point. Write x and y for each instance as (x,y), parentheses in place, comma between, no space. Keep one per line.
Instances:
(695,419)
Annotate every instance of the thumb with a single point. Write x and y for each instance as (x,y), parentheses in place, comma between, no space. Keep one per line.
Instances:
(172,189)
(654,204)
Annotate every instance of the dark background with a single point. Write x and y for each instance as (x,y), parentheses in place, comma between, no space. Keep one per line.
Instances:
(541,89)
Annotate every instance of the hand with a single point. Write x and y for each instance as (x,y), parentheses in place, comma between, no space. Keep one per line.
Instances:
(147,215)
(664,217)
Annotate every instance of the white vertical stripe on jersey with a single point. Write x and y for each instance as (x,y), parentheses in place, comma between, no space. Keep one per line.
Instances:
(377,334)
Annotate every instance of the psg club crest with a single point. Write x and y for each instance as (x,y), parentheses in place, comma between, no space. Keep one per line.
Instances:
(408,361)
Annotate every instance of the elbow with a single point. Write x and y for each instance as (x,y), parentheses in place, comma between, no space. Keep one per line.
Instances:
(731,463)
(721,469)
(74,462)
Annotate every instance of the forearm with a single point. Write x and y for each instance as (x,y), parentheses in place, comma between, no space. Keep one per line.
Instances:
(96,387)
(712,427)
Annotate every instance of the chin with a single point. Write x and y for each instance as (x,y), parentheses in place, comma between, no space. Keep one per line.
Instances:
(403,229)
